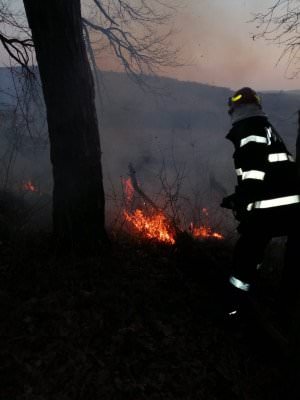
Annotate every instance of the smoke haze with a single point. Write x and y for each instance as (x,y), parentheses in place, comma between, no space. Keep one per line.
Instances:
(216,44)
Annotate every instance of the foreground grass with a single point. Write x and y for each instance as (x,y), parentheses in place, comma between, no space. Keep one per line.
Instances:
(141,322)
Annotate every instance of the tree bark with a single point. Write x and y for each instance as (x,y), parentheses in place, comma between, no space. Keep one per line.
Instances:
(298,149)
(78,194)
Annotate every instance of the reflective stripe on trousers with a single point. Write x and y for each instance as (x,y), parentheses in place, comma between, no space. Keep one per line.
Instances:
(239,284)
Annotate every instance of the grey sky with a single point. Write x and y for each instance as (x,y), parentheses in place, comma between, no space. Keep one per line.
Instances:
(216,41)
(215,37)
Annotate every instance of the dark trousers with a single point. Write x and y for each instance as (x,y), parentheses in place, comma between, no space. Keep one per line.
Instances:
(290,281)
(255,236)
(250,249)
(249,254)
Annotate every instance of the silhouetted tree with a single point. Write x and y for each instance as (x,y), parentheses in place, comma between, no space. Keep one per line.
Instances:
(298,148)
(78,195)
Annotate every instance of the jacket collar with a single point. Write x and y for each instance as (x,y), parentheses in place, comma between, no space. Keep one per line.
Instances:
(238,128)
(246,111)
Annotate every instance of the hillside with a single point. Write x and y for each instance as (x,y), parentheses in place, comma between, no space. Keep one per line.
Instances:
(189,116)
(181,131)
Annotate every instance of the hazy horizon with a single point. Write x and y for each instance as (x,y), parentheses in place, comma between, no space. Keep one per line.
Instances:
(216,46)
(215,37)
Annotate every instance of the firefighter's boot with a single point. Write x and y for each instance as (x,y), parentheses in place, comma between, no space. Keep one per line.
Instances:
(236,302)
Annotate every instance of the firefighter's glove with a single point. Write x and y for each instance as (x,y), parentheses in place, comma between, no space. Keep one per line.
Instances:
(233,202)
(229,202)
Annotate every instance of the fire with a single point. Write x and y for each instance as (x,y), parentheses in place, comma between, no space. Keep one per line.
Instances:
(29,187)
(204,232)
(155,225)
(128,190)
(152,227)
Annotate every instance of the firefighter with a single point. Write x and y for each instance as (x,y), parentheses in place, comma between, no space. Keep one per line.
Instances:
(266,200)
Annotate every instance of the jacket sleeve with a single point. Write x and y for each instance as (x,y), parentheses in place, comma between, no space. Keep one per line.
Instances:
(250,159)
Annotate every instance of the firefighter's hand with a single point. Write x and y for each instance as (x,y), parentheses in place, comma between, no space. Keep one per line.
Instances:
(229,202)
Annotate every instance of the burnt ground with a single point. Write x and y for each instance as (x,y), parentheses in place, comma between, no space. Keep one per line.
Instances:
(141,322)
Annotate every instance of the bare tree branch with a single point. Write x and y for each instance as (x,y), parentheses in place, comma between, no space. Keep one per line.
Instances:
(280,24)
(18,42)
(137,34)
(19,50)
(98,4)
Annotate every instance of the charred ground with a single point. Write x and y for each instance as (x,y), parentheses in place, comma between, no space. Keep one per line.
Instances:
(141,322)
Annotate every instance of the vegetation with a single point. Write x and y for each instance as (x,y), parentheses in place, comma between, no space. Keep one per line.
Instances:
(279,23)
(141,322)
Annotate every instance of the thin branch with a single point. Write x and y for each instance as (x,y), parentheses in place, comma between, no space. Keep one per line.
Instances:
(19,50)
(137,33)
(280,24)
(103,11)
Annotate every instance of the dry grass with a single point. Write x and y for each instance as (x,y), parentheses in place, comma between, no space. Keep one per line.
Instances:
(141,322)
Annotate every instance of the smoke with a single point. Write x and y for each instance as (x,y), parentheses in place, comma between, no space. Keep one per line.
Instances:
(175,140)
(217,48)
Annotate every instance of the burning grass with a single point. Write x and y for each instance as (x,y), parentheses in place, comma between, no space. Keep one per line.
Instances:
(155,227)
(141,322)
(154,224)
(204,232)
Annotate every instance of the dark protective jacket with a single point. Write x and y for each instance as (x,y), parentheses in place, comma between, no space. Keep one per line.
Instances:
(267,188)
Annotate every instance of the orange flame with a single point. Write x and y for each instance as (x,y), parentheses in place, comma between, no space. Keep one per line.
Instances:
(128,189)
(156,226)
(151,227)
(204,232)
(29,187)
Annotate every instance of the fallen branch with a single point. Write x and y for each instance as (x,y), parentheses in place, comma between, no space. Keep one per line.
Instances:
(132,175)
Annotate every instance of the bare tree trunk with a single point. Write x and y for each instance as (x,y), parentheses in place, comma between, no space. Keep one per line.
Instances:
(298,149)
(292,298)
(78,195)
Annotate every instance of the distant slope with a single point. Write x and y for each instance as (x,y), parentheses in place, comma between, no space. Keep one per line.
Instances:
(186,104)
(184,128)
(188,124)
